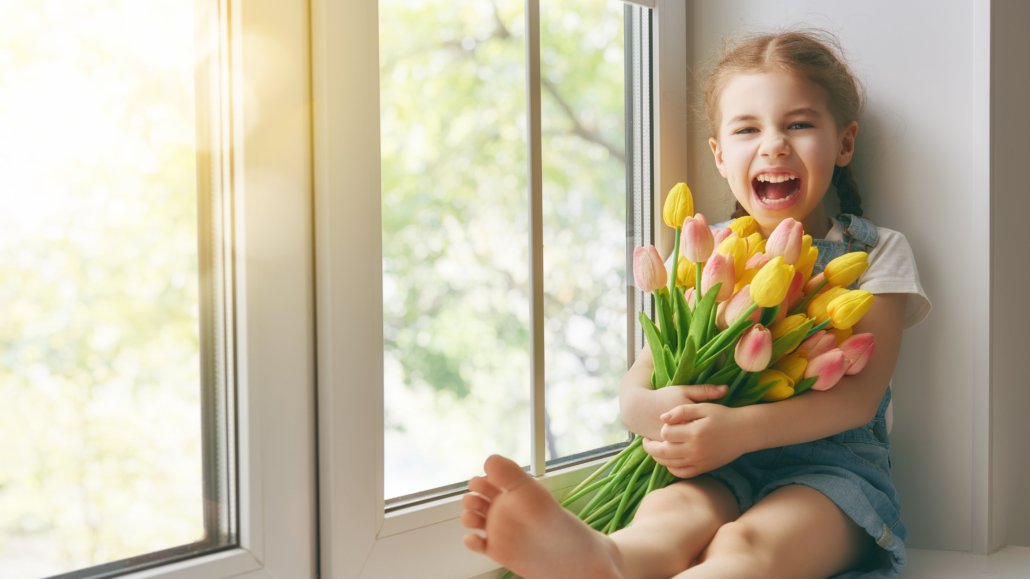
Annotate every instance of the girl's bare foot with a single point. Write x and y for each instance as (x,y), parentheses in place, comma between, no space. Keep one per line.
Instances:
(528,532)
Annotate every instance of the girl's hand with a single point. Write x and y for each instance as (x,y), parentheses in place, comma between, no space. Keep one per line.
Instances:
(697,438)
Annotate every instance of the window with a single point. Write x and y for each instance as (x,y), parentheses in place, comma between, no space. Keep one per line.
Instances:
(156,333)
(376,190)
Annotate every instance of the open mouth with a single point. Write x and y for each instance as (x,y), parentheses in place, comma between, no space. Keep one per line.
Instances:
(776,190)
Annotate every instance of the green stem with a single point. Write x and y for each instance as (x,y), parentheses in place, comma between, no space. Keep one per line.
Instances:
(734,387)
(800,308)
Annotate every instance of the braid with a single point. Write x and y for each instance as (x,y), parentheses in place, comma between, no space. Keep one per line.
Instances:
(847,191)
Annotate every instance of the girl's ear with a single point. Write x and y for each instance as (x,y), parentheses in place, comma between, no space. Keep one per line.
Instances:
(713,143)
(847,144)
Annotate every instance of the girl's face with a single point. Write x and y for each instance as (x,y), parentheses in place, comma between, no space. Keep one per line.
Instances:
(777,145)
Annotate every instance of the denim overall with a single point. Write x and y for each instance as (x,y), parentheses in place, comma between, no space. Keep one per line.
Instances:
(851,468)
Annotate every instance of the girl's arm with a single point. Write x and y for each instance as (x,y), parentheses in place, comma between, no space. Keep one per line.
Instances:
(701,437)
(641,407)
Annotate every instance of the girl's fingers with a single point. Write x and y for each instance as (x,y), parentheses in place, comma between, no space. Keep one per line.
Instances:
(705,392)
(683,413)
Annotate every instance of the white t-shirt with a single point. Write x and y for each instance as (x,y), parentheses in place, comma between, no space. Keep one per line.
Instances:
(892,270)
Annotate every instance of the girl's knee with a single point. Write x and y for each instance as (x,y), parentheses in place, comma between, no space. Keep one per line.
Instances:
(699,497)
(738,544)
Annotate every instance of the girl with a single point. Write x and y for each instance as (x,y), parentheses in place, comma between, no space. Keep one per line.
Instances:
(797,488)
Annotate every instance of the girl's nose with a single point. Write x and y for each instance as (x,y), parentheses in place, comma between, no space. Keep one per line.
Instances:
(775,145)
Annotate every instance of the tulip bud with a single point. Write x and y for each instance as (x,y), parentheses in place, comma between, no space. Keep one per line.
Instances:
(847,309)
(787,325)
(816,344)
(744,226)
(719,234)
(785,240)
(815,284)
(754,349)
(771,283)
(696,240)
(648,269)
(794,292)
(846,269)
(690,295)
(679,204)
(809,255)
(782,388)
(718,269)
(840,335)
(857,351)
(686,273)
(793,366)
(736,248)
(755,244)
(817,307)
(828,367)
(736,306)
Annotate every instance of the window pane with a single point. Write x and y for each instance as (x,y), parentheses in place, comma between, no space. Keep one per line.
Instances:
(584,180)
(455,238)
(101,419)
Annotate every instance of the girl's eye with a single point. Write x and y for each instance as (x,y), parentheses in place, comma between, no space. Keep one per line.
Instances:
(745,131)
(800,125)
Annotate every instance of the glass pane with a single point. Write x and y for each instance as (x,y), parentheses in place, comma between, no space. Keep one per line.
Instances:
(100,375)
(455,238)
(584,178)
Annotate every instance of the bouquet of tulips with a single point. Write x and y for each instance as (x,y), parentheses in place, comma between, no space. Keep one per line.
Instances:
(736,309)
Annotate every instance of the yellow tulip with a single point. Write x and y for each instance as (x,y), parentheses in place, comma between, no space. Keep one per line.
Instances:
(686,273)
(782,389)
(735,248)
(839,334)
(770,284)
(793,366)
(755,244)
(809,255)
(744,226)
(787,325)
(846,269)
(817,307)
(848,308)
(679,204)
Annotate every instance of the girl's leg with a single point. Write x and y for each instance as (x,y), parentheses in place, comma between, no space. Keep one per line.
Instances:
(527,531)
(794,532)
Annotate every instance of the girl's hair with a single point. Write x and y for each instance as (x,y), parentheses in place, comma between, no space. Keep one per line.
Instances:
(815,56)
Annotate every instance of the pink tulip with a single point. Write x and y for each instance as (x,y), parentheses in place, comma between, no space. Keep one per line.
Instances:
(816,344)
(648,269)
(828,367)
(690,295)
(696,240)
(735,307)
(795,291)
(718,269)
(857,351)
(785,240)
(754,349)
(719,234)
(815,283)
(757,260)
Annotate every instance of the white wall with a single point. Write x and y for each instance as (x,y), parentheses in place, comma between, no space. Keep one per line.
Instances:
(922,168)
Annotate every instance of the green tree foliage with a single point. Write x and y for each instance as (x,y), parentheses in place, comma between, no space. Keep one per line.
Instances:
(455,230)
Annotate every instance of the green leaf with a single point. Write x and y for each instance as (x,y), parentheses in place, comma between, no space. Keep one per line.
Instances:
(804,385)
(663,309)
(685,368)
(654,342)
(701,319)
(682,318)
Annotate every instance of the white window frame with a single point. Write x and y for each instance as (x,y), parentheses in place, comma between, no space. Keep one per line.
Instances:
(264,123)
(357,537)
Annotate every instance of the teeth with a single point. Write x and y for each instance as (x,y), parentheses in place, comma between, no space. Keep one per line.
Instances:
(775,178)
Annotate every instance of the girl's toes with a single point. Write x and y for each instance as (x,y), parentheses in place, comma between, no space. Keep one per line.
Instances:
(475,503)
(504,473)
(475,543)
(473,520)
(482,486)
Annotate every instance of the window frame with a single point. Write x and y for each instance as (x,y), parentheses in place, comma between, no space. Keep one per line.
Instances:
(263,163)
(358,538)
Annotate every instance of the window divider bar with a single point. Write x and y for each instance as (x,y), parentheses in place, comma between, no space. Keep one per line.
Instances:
(537,462)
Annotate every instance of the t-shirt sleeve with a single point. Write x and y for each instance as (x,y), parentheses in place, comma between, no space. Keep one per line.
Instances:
(892,269)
